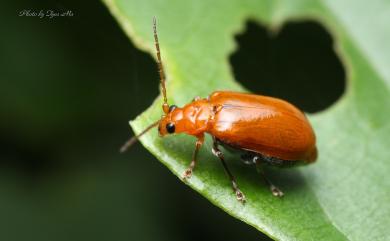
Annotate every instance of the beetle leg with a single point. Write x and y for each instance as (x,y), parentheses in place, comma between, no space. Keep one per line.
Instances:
(240,196)
(274,189)
(188,172)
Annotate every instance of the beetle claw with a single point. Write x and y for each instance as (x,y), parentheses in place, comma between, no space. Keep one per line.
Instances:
(240,196)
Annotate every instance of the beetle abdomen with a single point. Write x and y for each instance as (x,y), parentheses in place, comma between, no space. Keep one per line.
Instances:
(252,158)
(261,124)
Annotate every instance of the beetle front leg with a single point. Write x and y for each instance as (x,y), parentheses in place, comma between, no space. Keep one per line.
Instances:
(240,196)
(188,172)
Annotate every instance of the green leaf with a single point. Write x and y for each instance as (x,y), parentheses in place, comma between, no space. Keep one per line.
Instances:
(346,194)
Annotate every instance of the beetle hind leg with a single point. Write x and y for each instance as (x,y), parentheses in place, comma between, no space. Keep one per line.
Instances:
(240,196)
(274,189)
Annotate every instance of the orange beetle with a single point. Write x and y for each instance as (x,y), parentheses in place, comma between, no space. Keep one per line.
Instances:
(263,129)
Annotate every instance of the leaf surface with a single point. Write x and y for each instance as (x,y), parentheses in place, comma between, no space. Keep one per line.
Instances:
(346,194)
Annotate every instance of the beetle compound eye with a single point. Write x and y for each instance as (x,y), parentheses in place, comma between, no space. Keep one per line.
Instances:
(171,108)
(170,128)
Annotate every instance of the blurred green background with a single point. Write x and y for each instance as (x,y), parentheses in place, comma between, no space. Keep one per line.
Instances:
(68,87)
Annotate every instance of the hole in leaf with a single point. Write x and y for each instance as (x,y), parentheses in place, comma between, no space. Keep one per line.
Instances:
(297,64)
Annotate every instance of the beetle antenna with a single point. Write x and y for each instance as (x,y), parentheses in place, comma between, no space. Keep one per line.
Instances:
(135,138)
(165,105)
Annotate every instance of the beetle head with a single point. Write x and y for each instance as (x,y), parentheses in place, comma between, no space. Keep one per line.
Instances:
(171,122)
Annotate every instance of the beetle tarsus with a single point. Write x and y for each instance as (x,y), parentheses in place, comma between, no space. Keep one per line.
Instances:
(276,191)
(187,174)
(240,196)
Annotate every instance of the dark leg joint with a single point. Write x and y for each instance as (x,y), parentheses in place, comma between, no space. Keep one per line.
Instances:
(217,152)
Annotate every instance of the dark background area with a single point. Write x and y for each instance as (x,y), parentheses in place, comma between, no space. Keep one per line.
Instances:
(68,88)
(297,64)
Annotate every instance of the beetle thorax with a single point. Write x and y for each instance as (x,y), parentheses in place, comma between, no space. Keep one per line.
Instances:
(192,119)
